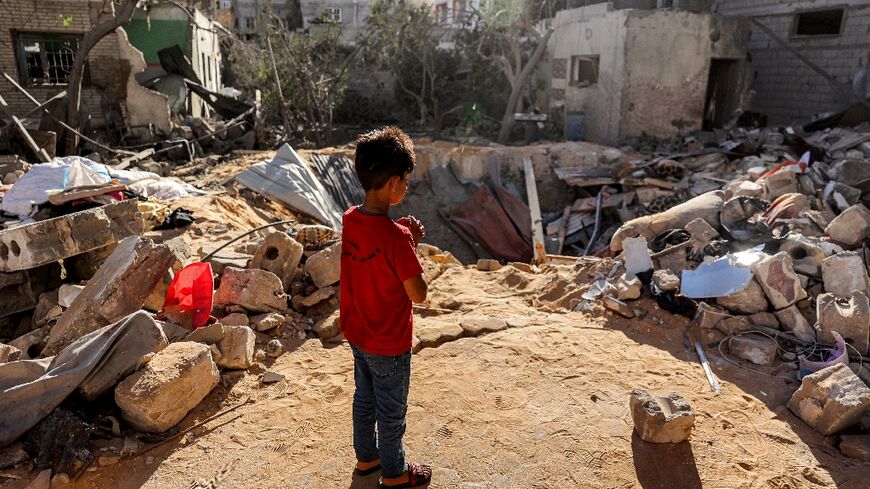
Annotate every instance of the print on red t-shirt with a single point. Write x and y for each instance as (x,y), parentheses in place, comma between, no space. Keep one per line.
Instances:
(377,255)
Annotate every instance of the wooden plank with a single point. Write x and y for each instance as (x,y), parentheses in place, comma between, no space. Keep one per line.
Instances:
(587,204)
(538,251)
(576,222)
(40,153)
(563,228)
(133,159)
(44,105)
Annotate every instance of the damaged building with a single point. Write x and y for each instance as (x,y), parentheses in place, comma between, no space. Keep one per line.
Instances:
(616,73)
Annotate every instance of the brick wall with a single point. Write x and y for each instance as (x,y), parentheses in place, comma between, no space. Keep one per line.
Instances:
(787,89)
(61,17)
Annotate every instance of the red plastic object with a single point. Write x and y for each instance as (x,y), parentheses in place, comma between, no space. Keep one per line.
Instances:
(189,298)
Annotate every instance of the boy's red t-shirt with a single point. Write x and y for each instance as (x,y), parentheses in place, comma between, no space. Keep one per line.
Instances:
(377,255)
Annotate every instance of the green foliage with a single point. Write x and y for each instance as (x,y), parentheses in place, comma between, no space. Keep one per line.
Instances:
(66,20)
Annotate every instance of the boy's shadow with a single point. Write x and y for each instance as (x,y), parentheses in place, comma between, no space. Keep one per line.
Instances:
(371,481)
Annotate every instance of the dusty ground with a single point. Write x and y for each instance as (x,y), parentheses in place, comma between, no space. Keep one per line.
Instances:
(543,404)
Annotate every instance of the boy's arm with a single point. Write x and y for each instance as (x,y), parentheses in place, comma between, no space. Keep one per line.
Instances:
(416,288)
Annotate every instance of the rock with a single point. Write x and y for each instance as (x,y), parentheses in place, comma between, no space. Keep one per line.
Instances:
(227,259)
(12,455)
(636,256)
(28,343)
(237,347)
(844,272)
(432,333)
(766,319)
(708,317)
(667,419)
(523,267)
(279,254)
(208,335)
(831,399)
(272,377)
(47,307)
(856,446)
(9,353)
(106,460)
(851,226)
(68,293)
(254,290)
(488,265)
(267,322)
(416,344)
(118,289)
(733,325)
(59,481)
(666,280)
(216,354)
(327,327)
(849,316)
(628,288)
(750,300)
(701,231)
(42,480)
(324,267)
(618,307)
(451,304)
(235,319)
(319,296)
(446,258)
(793,321)
(274,348)
(779,280)
(161,394)
(759,350)
(479,326)
(806,255)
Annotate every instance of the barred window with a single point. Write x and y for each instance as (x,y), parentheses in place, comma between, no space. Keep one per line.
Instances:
(45,59)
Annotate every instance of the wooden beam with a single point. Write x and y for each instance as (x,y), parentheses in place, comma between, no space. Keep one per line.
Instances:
(538,251)
(40,153)
(44,105)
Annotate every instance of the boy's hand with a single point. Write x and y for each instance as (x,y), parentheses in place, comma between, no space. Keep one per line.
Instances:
(415,226)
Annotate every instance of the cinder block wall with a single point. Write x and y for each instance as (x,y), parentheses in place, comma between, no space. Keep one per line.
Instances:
(47,16)
(788,90)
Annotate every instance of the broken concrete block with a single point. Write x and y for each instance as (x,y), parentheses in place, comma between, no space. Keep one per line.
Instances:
(844,272)
(272,377)
(279,254)
(118,289)
(793,321)
(324,267)
(29,343)
(759,350)
(750,300)
(47,307)
(666,281)
(667,419)
(766,319)
(237,347)
(733,325)
(707,316)
(488,265)
(267,322)
(227,259)
(628,288)
(636,256)
(848,315)
(208,335)
(21,291)
(806,255)
(479,326)
(831,399)
(182,253)
(48,241)
(274,348)
(856,446)
(327,327)
(254,290)
(317,297)
(851,226)
(235,319)
(779,280)
(67,294)
(779,184)
(9,353)
(161,394)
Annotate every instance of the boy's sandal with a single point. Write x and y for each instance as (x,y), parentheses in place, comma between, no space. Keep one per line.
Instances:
(418,475)
(368,471)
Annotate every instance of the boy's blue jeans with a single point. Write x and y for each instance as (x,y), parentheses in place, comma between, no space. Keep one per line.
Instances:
(381,396)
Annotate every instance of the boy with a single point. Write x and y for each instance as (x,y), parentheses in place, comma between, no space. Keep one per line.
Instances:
(380,277)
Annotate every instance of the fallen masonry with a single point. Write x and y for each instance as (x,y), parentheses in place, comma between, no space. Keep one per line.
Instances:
(831,399)
(665,419)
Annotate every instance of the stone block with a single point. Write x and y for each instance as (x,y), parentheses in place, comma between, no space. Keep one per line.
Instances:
(208,335)
(161,394)
(793,321)
(118,289)
(68,293)
(628,288)
(254,290)
(806,255)
(279,254)
(267,322)
(778,279)
(734,324)
(831,399)
(48,241)
(47,307)
(237,347)
(856,446)
(848,315)
(759,350)
(324,267)
(766,319)
(844,272)
(479,326)
(235,319)
(488,265)
(750,300)
(666,281)
(708,317)
(9,353)
(226,259)
(317,297)
(851,226)
(327,327)
(667,419)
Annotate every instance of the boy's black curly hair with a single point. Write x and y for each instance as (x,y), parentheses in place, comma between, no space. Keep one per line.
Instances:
(382,154)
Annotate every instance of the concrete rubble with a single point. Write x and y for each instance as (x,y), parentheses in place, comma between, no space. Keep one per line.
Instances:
(661,419)
(256,291)
(237,347)
(831,399)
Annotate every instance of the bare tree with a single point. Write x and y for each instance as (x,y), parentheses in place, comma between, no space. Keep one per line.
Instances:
(118,18)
